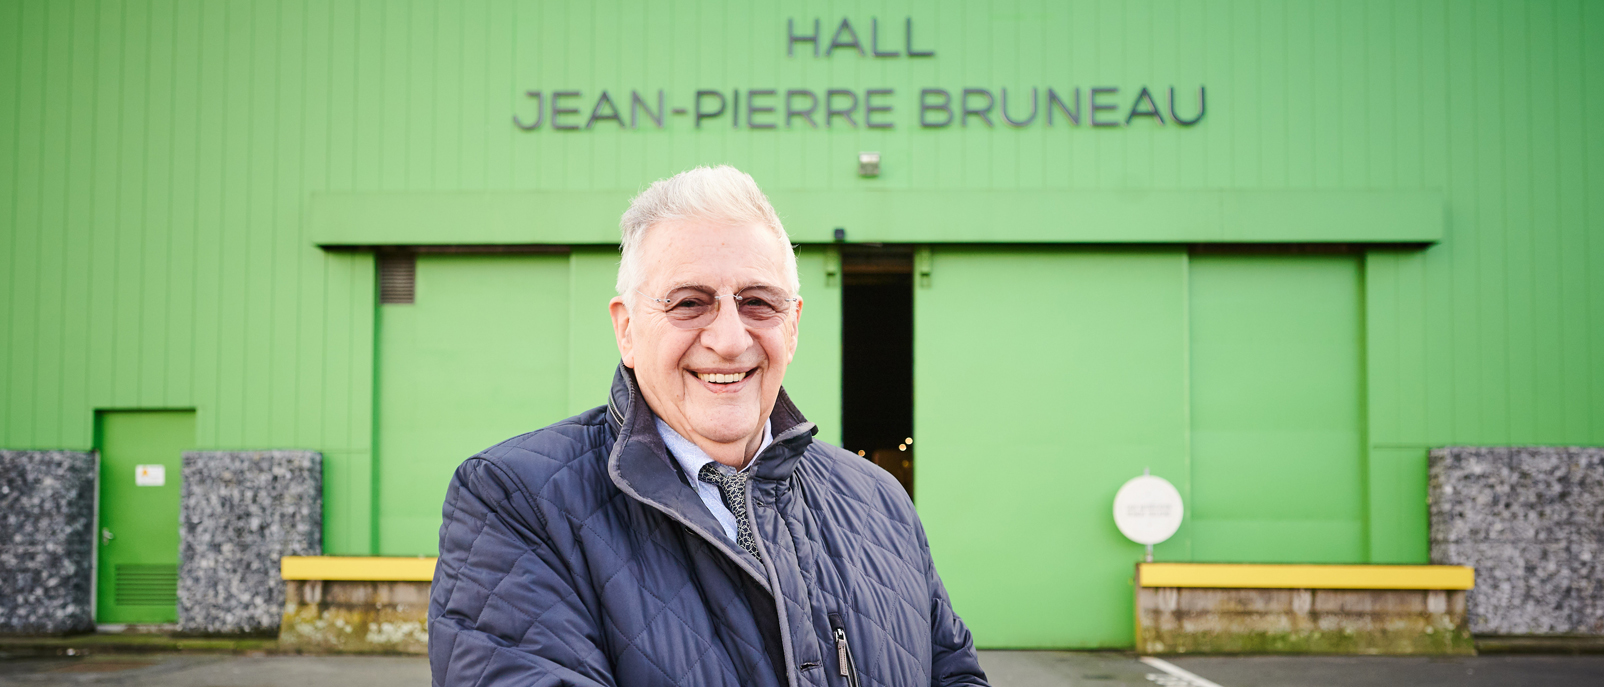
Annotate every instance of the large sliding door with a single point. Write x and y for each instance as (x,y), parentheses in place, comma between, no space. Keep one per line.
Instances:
(480,355)
(1277,439)
(1043,380)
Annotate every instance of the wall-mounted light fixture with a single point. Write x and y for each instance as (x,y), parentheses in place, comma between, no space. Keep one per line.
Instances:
(868,164)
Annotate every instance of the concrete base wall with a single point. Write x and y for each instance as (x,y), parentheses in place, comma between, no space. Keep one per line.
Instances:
(1315,621)
(356,617)
(1530,520)
(241,512)
(47,542)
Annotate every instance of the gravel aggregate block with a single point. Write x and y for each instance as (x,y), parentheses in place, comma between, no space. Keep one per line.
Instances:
(1531,521)
(47,541)
(241,511)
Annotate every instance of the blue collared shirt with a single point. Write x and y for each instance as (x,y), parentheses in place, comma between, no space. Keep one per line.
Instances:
(691,458)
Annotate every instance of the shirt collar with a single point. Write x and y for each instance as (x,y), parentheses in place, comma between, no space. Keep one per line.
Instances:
(691,457)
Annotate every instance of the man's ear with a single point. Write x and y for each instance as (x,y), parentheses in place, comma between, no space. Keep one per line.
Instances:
(621,332)
(796,330)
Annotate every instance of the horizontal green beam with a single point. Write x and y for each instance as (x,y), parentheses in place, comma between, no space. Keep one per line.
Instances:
(903,216)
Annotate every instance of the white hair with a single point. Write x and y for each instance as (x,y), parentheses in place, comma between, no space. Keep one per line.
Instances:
(722,194)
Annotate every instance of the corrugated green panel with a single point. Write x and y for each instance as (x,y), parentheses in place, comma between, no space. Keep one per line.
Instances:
(1593,69)
(49,261)
(347,503)
(183,258)
(23,278)
(1515,252)
(1543,209)
(814,378)
(311,170)
(347,400)
(259,70)
(395,57)
(1593,58)
(283,208)
(1491,205)
(126,155)
(340,143)
(1383,363)
(592,348)
(1409,273)
(1276,427)
(309,415)
(1043,381)
(1399,522)
(234,404)
(156,217)
(10,60)
(77,426)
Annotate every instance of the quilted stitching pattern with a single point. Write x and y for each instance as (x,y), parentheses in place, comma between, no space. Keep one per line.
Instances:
(549,574)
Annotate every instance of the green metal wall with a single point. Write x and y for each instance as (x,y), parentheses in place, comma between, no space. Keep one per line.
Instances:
(167,170)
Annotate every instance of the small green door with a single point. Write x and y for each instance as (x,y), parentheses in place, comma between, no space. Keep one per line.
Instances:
(141,459)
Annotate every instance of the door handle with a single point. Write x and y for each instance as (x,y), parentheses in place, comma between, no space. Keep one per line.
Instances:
(105,536)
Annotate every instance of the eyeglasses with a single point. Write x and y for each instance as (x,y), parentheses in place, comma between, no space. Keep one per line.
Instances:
(694,307)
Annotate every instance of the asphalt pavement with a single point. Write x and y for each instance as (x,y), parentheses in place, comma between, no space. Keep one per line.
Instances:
(1005,668)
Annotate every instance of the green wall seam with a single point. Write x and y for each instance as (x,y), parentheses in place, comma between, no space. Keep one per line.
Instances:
(903,215)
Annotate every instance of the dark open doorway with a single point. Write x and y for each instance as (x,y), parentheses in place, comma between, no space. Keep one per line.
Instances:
(877,356)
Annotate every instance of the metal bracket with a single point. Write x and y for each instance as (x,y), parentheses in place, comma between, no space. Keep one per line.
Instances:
(832,266)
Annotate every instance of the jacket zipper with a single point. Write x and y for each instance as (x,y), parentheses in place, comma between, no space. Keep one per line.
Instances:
(843,651)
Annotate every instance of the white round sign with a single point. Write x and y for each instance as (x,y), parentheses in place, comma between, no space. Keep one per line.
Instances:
(1147,509)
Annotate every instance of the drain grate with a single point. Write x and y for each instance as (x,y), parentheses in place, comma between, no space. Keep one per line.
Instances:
(146,585)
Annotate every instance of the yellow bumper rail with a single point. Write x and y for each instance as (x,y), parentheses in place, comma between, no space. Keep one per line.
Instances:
(366,568)
(1255,576)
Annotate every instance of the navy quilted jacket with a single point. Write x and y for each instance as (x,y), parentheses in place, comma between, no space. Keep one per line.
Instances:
(579,555)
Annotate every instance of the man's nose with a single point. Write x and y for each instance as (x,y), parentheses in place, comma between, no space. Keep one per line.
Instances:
(727,335)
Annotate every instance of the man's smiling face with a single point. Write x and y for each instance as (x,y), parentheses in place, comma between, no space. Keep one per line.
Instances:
(715,385)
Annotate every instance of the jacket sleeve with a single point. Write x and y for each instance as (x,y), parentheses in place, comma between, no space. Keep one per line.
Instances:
(503,608)
(953,660)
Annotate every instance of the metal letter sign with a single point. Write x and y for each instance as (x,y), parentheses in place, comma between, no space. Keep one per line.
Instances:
(1148,510)
(850,108)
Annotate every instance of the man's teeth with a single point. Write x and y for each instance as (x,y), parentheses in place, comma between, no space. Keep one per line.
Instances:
(722,378)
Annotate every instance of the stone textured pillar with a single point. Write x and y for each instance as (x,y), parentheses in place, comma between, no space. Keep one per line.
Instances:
(1193,620)
(1531,521)
(242,511)
(354,616)
(47,542)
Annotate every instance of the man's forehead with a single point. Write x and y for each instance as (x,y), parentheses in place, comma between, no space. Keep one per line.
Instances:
(680,255)
(704,276)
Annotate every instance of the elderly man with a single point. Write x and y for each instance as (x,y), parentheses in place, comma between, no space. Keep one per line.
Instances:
(691,532)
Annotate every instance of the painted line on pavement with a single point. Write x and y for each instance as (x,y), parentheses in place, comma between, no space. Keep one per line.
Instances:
(1172,669)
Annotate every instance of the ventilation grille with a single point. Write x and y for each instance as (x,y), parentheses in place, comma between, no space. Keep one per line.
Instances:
(146,585)
(397,278)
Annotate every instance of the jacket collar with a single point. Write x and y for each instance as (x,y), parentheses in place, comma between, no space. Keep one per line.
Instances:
(641,466)
(627,408)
